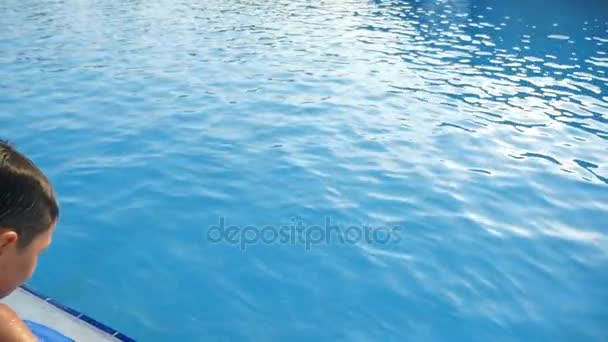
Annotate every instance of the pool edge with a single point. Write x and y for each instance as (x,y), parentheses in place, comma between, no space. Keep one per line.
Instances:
(79,315)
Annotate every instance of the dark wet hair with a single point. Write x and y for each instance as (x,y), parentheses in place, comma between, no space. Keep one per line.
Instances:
(27,200)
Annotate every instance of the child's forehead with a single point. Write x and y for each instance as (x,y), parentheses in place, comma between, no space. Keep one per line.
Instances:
(46,237)
(51,231)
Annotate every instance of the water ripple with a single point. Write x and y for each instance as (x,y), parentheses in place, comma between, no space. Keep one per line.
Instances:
(478,128)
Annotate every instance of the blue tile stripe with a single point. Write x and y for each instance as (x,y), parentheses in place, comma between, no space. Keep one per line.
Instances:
(79,315)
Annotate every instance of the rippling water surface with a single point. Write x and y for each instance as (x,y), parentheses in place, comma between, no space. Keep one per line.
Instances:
(479,128)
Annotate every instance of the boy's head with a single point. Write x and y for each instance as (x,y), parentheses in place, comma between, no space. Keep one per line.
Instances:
(28,213)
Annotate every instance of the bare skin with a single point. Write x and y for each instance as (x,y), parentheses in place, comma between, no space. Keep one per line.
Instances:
(17,265)
(12,328)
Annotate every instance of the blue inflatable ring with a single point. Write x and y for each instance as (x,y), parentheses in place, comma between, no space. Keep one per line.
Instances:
(46,334)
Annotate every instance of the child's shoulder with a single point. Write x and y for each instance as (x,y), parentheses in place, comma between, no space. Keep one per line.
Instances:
(12,327)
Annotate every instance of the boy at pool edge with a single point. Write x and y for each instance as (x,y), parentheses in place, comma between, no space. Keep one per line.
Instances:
(28,214)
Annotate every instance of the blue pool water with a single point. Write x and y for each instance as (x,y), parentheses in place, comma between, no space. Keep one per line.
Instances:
(471,136)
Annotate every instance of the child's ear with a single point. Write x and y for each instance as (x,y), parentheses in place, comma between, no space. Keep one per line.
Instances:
(7,238)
